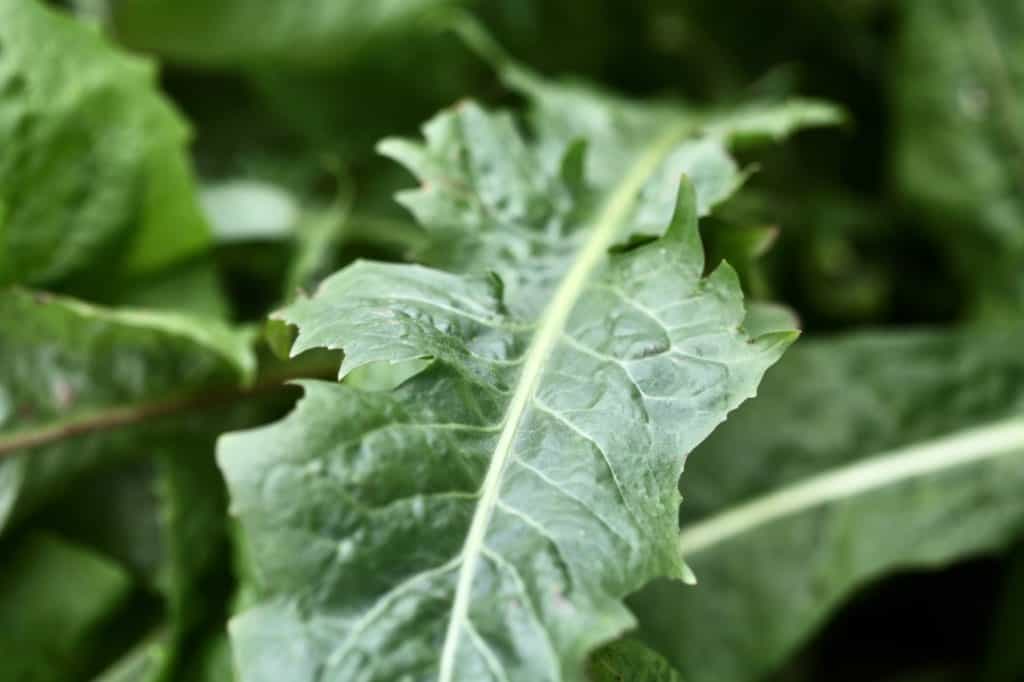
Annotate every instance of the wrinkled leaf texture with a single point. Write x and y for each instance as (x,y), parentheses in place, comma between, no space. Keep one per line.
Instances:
(484,520)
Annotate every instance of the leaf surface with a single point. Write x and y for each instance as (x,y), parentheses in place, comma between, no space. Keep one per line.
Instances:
(959,121)
(314,34)
(861,456)
(54,597)
(145,662)
(70,373)
(484,519)
(628,660)
(94,165)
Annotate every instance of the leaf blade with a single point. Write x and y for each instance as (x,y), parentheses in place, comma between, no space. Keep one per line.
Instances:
(578,356)
(916,466)
(72,372)
(96,169)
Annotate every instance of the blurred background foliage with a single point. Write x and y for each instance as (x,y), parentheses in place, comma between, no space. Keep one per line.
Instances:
(907,221)
(883,222)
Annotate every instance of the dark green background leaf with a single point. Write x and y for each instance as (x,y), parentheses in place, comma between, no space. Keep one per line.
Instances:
(828,426)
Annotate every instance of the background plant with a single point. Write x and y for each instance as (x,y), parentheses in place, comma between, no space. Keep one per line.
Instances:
(172,173)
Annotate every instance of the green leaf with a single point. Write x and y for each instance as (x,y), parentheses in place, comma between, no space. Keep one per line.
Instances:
(193,287)
(861,456)
(145,662)
(94,165)
(628,660)
(249,210)
(213,664)
(53,597)
(309,35)
(317,104)
(115,413)
(616,129)
(320,235)
(79,384)
(959,122)
(533,462)
(163,518)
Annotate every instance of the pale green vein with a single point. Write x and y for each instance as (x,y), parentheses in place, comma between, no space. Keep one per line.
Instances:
(382,606)
(550,328)
(486,653)
(890,468)
(503,564)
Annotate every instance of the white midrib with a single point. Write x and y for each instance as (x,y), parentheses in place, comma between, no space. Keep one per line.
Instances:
(550,326)
(889,468)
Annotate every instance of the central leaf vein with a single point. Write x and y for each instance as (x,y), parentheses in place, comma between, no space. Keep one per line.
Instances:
(550,329)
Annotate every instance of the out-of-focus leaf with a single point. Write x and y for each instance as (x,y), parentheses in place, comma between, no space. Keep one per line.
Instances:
(53,597)
(115,511)
(615,130)
(629,660)
(840,280)
(193,288)
(861,456)
(742,246)
(248,32)
(842,259)
(318,240)
(164,519)
(213,664)
(279,337)
(336,235)
(566,349)
(244,210)
(94,165)
(959,120)
(271,244)
(146,662)
(318,105)
(193,513)
(71,372)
